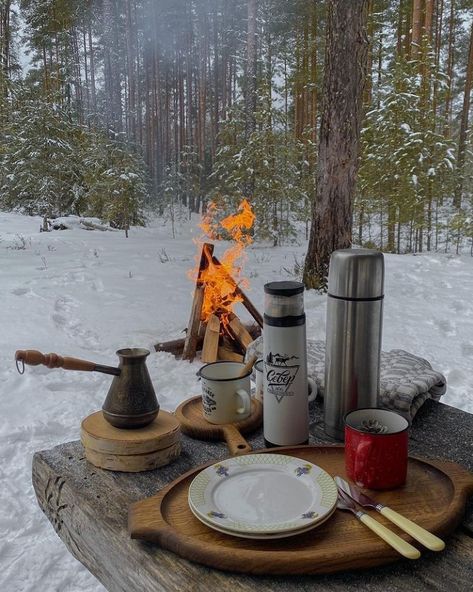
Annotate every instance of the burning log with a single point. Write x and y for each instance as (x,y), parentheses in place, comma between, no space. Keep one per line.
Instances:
(211,339)
(239,333)
(217,290)
(250,307)
(190,344)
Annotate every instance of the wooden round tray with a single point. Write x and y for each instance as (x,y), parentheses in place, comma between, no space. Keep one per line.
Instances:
(193,423)
(434,496)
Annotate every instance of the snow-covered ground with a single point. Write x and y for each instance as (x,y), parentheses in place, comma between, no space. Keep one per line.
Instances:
(88,293)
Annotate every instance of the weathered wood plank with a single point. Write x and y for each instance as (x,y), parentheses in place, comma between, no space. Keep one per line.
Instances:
(88,509)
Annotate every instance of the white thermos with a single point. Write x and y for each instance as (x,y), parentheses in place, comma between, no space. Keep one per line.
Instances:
(286,407)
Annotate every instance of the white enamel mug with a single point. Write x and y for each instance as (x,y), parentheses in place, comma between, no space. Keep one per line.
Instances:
(225,395)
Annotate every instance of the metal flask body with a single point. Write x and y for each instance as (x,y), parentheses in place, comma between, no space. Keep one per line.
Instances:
(286,408)
(131,401)
(353,334)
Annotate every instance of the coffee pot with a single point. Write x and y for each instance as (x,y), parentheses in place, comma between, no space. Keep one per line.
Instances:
(131,401)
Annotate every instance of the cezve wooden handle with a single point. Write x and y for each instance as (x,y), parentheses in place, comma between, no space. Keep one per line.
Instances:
(33,357)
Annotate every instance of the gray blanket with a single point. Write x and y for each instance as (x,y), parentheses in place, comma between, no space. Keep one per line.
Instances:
(406,380)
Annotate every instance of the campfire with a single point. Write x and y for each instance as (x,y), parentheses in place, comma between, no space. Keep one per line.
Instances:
(214,329)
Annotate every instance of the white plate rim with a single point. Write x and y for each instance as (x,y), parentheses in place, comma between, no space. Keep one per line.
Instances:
(262,536)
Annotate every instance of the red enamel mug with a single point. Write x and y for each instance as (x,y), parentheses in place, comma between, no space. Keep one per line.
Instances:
(376,442)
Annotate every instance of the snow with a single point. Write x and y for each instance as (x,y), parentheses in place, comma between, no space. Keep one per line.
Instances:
(88,293)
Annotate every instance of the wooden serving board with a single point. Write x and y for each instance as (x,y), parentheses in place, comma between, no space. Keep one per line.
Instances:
(434,496)
(193,423)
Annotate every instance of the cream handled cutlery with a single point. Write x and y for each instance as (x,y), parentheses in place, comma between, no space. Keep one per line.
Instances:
(424,537)
(345,502)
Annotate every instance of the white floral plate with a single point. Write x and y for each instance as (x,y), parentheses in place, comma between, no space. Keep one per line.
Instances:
(262,536)
(263,494)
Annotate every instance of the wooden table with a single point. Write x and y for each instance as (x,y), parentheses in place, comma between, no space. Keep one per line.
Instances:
(88,509)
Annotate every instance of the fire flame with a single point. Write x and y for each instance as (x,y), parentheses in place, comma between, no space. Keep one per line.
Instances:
(221,278)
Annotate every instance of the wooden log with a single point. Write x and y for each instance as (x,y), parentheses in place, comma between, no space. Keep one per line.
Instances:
(228,354)
(176,346)
(250,307)
(254,330)
(239,333)
(212,336)
(190,344)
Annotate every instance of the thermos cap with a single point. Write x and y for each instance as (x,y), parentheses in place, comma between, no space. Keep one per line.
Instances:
(284,288)
(284,299)
(356,274)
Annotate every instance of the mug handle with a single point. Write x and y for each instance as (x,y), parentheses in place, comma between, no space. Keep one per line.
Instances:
(313,389)
(246,402)
(363,452)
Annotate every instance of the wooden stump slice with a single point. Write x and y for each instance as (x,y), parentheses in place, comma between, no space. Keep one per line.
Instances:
(98,435)
(133,463)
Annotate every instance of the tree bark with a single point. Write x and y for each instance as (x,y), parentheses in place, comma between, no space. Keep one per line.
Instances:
(450,64)
(346,59)
(5,47)
(464,125)
(416,27)
(250,97)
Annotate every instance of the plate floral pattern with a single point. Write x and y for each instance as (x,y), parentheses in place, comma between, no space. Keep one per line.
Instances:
(263,494)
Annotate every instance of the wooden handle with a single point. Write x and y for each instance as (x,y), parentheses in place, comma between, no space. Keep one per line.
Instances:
(249,365)
(418,533)
(35,358)
(401,546)
(235,441)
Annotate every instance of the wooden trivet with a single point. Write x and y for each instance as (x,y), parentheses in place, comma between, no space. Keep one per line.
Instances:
(131,450)
(193,423)
(434,496)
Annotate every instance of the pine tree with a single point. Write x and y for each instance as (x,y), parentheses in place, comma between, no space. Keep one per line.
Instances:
(40,170)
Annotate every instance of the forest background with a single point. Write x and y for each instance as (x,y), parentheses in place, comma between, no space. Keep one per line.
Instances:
(126,105)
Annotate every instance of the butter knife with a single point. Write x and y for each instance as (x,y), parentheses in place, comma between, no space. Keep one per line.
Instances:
(421,535)
(345,502)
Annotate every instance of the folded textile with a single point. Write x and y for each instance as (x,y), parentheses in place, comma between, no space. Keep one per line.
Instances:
(406,380)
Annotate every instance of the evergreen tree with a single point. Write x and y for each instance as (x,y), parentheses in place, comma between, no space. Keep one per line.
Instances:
(407,164)
(40,171)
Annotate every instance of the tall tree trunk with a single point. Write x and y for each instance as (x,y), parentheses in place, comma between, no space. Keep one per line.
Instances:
(92,62)
(5,43)
(450,64)
(438,46)
(464,125)
(250,95)
(346,59)
(130,63)
(416,27)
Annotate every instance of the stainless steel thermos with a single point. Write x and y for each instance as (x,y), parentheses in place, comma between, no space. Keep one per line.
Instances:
(286,410)
(353,334)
